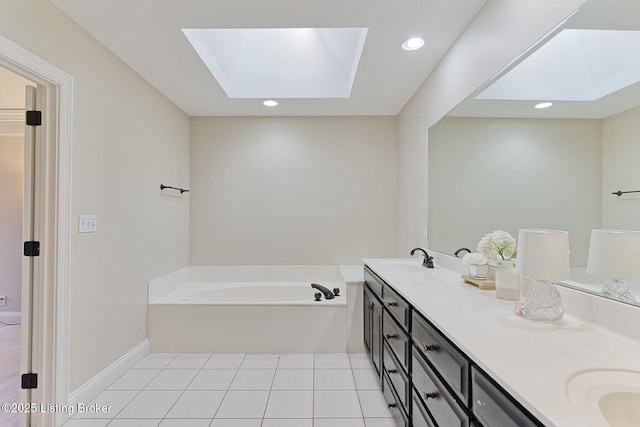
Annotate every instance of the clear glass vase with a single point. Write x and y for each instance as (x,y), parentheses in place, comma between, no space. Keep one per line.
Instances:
(507,281)
(479,271)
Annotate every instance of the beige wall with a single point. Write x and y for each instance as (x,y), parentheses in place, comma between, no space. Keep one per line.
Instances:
(11,168)
(621,153)
(127,139)
(489,174)
(292,190)
(501,31)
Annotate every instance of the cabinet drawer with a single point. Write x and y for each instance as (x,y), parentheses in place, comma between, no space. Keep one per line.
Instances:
(396,305)
(397,410)
(442,406)
(447,360)
(396,375)
(493,407)
(420,416)
(398,340)
(373,282)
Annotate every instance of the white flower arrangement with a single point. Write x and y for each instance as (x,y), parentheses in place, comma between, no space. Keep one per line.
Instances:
(498,246)
(474,258)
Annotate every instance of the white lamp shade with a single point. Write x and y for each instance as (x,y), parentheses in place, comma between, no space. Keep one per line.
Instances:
(543,254)
(614,254)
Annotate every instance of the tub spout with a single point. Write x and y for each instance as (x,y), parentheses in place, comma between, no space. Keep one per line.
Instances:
(327,293)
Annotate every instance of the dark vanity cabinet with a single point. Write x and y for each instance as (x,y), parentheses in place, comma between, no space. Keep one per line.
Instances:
(426,380)
(373,325)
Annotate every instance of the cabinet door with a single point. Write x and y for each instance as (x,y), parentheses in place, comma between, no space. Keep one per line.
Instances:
(368,310)
(376,335)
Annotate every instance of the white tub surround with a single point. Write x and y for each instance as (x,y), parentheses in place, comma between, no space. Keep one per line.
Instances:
(252,309)
(533,361)
(353,276)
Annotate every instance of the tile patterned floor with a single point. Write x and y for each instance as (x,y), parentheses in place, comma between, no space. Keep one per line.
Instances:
(238,390)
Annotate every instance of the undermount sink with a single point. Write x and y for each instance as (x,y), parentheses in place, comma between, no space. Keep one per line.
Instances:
(606,397)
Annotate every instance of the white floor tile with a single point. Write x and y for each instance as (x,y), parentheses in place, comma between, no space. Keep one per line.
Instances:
(236,423)
(134,423)
(184,423)
(85,423)
(336,404)
(150,404)
(334,379)
(197,404)
(260,361)
(287,423)
(189,361)
(290,404)
(253,379)
(338,422)
(172,379)
(366,379)
(155,361)
(232,361)
(380,422)
(360,362)
(134,379)
(228,356)
(214,379)
(293,379)
(113,400)
(296,361)
(332,361)
(243,404)
(373,404)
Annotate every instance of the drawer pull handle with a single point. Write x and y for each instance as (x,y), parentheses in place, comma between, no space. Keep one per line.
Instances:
(428,396)
(393,371)
(392,303)
(391,336)
(427,347)
(371,305)
(392,405)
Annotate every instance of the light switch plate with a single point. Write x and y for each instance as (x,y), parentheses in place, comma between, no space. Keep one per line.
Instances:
(87,223)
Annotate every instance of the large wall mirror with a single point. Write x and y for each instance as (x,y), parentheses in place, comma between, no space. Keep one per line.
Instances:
(498,163)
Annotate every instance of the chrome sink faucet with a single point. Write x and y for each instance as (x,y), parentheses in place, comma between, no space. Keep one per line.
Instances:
(428,260)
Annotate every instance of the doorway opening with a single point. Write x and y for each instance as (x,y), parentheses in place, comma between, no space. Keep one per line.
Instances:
(43,243)
(12,218)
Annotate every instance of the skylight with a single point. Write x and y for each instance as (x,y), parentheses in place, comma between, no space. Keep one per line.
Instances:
(576,65)
(281,62)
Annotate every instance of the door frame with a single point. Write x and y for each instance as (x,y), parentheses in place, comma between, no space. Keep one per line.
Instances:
(52,334)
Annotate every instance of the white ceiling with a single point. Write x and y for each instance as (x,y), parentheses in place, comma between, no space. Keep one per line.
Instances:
(146,34)
(614,16)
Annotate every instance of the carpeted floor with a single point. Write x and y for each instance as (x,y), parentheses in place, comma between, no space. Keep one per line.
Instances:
(9,371)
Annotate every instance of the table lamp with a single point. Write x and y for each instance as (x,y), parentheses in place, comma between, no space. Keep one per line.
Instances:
(543,256)
(615,255)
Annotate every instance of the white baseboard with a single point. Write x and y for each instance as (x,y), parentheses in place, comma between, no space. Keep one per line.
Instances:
(10,317)
(92,388)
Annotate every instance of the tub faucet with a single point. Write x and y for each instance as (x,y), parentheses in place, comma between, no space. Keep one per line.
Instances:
(327,293)
(428,260)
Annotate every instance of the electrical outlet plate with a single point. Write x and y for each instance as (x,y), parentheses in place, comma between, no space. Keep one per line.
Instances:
(87,223)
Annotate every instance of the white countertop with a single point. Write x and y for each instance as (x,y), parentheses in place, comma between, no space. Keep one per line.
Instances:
(532,360)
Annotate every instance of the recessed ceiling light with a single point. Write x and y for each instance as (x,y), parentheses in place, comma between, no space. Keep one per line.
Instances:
(543,105)
(413,43)
(270,103)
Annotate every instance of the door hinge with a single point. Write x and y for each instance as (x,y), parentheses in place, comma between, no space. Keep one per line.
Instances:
(29,381)
(34,118)
(31,248)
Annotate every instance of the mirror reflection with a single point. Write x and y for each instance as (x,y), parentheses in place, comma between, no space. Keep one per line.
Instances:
(496,162)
